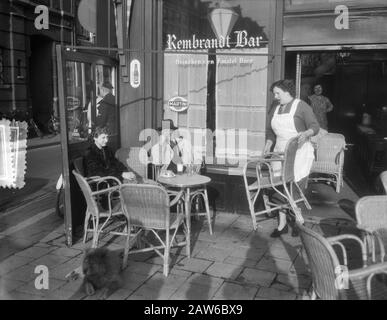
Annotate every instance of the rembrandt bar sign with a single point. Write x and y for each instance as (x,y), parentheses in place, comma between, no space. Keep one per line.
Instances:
(242,40)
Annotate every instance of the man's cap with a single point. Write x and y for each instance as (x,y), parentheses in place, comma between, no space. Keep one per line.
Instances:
(107,85)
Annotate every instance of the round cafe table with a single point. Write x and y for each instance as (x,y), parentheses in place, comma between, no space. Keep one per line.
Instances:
(186,182)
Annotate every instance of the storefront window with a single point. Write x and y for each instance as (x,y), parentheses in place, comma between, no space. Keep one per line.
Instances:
(215,66)
(78,97)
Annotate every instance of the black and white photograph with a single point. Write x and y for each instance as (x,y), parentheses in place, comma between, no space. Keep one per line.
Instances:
(198,155)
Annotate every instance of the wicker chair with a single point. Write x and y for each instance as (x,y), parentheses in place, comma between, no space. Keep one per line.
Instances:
(329,160)
(371,216)
(101,220)
(332,280)
(148,207)
(254,169)
(383,178)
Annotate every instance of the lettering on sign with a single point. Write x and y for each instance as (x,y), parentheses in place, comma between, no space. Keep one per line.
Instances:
(178,104)
(241,40)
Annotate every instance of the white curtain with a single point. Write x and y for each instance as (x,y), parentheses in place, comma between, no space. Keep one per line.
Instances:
(185,75)
(241,90)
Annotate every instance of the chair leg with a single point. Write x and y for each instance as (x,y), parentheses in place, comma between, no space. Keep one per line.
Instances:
(85,226)
(166,253)
(307,204)
(126,250)
(207,205)
(95,233)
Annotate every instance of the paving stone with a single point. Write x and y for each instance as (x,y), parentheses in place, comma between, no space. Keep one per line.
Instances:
(50,261)
(143,268)
(16,295)
(189,291)
(72,285)
(241,262)
(120,294)
(258,277)
(35,252)
(251,253)
(267,263)
(52,236)
(132,280)
(7,285)
(233,291)
(24,273)
(297,283)
(213,254)
(179,272)
(275,294)
(141,256)
(224,270)
(13,263)
(31,289)
(59,294)
(66,252)
(287,253)
(204,280)
(152,293)
(193,264)
(173,259)
(158,280)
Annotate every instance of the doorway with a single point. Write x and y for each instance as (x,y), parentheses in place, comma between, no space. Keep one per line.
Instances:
(80,77)
(355,82)
(41,81)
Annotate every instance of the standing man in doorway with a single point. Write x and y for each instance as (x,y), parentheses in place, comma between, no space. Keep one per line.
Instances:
(106,109)
(321,105)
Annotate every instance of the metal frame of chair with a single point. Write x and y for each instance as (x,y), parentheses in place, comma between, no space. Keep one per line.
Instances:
(333,280)
(148,209)
(329,160)
(371,217)
(201,193)
(253,169)
(99,218)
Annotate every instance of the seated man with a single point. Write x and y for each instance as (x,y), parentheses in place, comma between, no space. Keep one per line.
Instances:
(100,160)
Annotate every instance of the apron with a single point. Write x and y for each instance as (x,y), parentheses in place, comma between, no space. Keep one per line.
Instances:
(284,128)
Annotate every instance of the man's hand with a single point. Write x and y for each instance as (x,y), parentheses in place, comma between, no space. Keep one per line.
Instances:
(129,175)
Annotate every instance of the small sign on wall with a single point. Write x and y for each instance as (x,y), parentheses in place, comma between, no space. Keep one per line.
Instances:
(135,73)
(178,104)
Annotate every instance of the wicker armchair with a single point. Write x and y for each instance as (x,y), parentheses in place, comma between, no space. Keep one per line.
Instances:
(383,178)
(332,280)
(371,216)
(148,208)
(256,179)
(329,160)
(101,220)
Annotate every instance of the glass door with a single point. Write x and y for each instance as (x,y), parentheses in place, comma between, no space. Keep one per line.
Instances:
(80,80)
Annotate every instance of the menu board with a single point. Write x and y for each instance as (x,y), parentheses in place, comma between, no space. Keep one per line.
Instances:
(13,142)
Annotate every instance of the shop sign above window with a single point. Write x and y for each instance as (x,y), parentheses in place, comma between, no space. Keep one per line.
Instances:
(241,40)
(178,104)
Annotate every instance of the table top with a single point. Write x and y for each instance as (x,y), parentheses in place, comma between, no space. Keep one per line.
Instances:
(185,181)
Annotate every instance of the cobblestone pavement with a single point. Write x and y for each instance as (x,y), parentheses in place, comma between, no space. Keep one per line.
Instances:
(236,262)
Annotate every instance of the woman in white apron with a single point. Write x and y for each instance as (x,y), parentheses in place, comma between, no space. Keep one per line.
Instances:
(290,118)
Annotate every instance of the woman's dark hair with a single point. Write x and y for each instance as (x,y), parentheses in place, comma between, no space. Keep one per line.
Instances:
(285,85)
(318,84)
(100,130)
